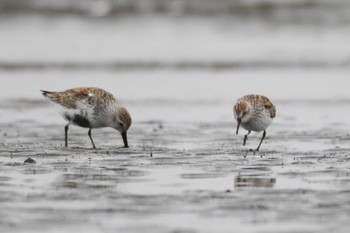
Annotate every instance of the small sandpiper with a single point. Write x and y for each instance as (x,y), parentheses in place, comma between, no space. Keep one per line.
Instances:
(91,107)
(254,113)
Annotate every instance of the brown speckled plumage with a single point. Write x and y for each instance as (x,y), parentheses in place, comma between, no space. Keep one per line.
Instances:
(254,113)
(91,107)
(257,101)
(69,98)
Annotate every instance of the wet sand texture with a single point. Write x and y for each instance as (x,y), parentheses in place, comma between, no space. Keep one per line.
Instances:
(179,175)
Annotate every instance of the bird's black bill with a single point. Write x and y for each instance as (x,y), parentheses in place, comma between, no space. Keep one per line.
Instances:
(238,124)
(125,140)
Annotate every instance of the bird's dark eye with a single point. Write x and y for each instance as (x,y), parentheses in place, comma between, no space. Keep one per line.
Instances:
(121,124)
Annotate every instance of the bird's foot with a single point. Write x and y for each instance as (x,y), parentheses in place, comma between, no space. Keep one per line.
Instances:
(254,151)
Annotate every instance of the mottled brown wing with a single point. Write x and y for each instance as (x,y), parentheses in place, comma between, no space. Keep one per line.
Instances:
(69,97)
(268,105)
(104,96)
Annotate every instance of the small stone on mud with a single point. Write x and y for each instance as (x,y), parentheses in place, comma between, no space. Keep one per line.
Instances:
(29,160)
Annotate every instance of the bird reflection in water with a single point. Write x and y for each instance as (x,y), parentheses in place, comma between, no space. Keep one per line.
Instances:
(254,182)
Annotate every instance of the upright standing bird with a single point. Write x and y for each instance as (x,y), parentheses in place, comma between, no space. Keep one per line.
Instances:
(254,113)
(91,107)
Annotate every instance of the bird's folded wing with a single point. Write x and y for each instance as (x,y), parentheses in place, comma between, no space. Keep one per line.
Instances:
(268,105)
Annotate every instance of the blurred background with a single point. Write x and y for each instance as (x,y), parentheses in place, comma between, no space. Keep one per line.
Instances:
(163,51)
(174,34)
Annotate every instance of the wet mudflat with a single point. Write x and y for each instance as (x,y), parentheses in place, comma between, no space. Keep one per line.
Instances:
(177,66)
(177,176)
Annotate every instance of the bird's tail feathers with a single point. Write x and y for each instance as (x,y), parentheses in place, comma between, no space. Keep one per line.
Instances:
(47,93)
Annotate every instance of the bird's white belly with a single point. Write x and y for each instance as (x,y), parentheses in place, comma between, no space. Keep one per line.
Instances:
(257,124)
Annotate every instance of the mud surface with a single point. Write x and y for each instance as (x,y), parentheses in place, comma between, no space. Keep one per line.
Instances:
(177,176)
(177,66)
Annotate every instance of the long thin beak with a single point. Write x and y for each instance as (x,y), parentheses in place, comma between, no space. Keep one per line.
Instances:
(238,124)
(125,139)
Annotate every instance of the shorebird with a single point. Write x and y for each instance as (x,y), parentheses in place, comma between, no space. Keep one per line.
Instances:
(254,113)
(91,107)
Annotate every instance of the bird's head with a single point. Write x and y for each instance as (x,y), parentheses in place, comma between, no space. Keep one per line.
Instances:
(122,122)
(242,111)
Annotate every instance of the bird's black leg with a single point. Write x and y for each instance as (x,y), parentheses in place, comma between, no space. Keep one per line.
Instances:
(93,144)
(246,138)
(66,135)
(264,134)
